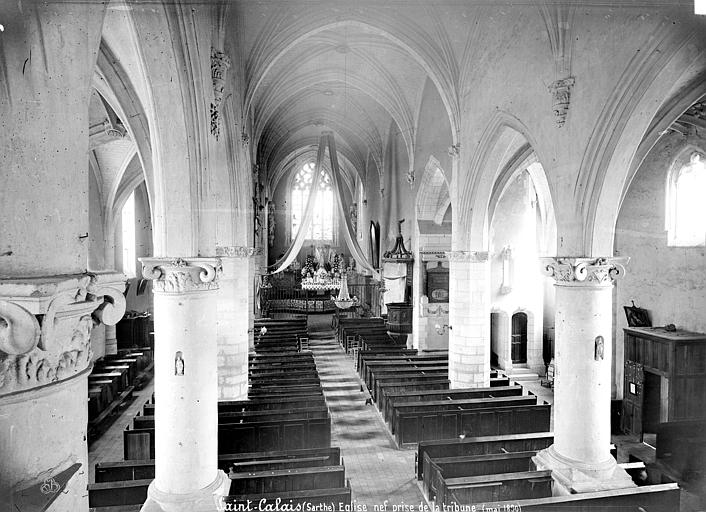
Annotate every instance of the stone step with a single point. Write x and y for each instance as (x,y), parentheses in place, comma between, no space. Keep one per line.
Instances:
(522,374)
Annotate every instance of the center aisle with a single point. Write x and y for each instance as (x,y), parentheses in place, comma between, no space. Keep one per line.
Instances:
(377,470)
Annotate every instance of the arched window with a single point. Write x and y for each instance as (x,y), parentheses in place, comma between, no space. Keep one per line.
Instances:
(686,201)
(323,221)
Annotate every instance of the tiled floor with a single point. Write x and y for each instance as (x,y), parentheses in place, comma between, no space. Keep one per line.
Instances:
(377,470)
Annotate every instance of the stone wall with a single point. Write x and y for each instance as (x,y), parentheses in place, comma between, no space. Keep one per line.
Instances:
(667,281)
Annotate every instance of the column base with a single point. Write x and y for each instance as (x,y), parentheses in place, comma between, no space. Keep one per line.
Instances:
(208,499)
(573,477)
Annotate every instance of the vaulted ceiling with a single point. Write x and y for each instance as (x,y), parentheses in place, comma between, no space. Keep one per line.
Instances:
(309,71)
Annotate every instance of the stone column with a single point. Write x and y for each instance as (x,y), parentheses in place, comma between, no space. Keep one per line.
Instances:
(45,358)
(469,319)
(48,302)
(185,384)
(580,456)
(234,312)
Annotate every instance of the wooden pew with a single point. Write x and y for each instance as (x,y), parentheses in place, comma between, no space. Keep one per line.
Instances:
(492,488)
(389,357)
(500,382)
(388,400)
(293,392)
(442,407)
(363,355)
(681,445)
(124,470)
(263,461)
(419,381)
(473,465)
(534,441)
(119,377)
(112,385)
(649,498)
(371,366)
(416,427)
(284,480)
(380,381)
(138,444)
(264,404)
(276,435)
(128,372)
(331,454)
(127,492)
(140,421)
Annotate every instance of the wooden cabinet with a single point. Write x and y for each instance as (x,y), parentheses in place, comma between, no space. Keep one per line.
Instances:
(665,377)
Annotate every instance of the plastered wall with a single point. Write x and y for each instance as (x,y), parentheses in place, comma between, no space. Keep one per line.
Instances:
(514,227)
(670,282)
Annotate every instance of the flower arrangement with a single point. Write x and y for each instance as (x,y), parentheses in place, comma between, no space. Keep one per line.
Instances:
(309,266)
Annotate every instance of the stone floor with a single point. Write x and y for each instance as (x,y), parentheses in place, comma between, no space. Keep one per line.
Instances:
(109,447)
(376,469)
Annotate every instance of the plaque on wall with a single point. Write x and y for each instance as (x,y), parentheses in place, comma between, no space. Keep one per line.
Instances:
(438,284)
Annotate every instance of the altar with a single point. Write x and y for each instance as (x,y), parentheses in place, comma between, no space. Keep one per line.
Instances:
(321,284)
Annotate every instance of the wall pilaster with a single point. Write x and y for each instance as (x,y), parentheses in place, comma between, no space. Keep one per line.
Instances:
(469,319)
(234,321)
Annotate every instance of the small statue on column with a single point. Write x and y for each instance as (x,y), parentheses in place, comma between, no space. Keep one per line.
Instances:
(353,212)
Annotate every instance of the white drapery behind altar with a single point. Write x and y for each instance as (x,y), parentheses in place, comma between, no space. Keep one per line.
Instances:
(337,185)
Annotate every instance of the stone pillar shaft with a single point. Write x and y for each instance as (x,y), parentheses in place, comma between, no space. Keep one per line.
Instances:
(469,319)
(580,456)
(185,383)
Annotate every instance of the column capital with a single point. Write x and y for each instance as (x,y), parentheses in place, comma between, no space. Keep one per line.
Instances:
(46,324)
(467,256)
(238,251)
(584,270)
(180,275)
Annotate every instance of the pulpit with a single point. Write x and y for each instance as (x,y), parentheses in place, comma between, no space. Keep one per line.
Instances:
(397,276)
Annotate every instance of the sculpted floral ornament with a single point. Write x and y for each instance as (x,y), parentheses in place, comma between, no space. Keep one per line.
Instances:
(219,65)
(238,251)
(467,256)
(589,271)
(561,97)
(19,329)
(178,275)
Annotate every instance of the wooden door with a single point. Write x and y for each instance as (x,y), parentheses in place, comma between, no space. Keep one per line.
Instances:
(519,338)
(632,398)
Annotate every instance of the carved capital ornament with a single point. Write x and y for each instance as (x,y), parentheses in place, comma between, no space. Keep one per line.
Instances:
(46,325)
(570,271)
(179,275)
